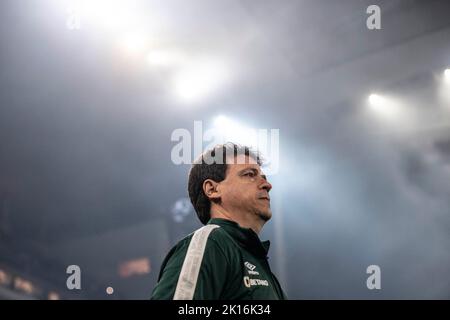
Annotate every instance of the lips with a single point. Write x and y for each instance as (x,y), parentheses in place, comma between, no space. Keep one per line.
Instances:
(263,196)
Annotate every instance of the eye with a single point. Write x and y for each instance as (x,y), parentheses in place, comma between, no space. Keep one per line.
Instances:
(250,174)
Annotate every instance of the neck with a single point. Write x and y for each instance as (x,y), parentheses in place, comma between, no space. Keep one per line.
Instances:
(242,219)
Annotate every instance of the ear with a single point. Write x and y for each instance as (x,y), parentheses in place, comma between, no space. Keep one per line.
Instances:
(210,188)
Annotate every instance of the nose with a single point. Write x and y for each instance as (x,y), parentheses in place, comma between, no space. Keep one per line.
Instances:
(266,185)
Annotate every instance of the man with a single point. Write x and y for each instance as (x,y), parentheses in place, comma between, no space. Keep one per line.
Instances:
(224,259)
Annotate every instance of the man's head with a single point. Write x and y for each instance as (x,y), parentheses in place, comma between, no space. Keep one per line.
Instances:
(229,177)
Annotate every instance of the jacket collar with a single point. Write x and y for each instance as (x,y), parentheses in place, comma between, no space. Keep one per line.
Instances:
(245,237)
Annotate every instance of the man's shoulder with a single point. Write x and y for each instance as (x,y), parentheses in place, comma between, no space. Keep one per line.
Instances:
(215,241)
(210,233)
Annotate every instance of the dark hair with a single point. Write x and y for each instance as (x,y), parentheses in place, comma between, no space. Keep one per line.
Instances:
(212,164)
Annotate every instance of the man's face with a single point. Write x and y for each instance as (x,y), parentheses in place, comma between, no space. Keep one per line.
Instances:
(245,189)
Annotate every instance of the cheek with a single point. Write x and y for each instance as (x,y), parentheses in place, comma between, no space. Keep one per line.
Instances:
(241,195)
(234,195)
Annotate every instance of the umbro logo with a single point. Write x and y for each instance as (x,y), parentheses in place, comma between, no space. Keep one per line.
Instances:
(249,265)
(251,268)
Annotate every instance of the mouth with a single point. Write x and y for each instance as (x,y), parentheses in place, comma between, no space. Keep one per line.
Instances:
(263,196)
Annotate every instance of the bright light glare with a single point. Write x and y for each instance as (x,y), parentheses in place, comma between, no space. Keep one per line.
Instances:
(111,14)
(376,99)
(222,122)
(383,106)
(133,43)
(444,89)
(447,75)
(263,140)
(200,79)
(235,132)
(164,58)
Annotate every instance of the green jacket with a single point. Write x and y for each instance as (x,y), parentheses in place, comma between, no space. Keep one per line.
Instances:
(220,261)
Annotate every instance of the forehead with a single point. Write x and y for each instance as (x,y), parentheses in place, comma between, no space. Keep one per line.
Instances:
(242,162)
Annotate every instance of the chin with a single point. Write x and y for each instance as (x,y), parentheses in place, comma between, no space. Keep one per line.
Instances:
(265,215)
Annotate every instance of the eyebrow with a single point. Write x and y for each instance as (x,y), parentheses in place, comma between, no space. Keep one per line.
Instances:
(255,171)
